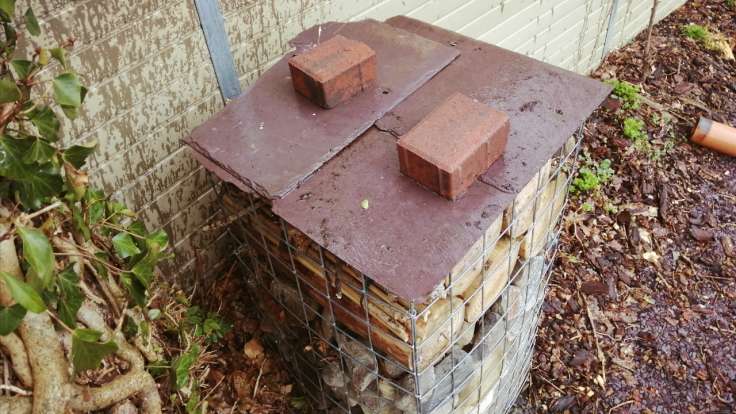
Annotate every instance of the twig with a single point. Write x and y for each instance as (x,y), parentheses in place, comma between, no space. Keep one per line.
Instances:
(6,374)
(649,31)
(661,108)
(258,379)
(213,389)
(550,383)
(59,321)
(105,290)
(97,259)
(601,356)
(620,405)
(13,388)
(42,211)
(122,230)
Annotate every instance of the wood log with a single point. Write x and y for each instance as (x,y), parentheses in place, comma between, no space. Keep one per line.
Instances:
(488,348)
(468,270)
(546,217)
(433,327)
(482,381)
(467,331)
(518,217)
(497,270)
(378,316)
(528,278)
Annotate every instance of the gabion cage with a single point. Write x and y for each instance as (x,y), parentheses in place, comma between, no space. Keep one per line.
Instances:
(350,343)
(410,303)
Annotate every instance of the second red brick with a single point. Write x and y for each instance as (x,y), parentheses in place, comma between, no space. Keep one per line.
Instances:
(448,149)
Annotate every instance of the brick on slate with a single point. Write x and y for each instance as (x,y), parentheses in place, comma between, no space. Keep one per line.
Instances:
(334,71)
(448,149)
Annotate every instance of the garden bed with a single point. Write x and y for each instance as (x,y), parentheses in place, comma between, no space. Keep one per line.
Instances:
(648,255)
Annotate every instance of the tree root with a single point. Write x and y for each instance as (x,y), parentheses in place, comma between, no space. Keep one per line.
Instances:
(13,347)
(16,405)
(38,360)
(48,364)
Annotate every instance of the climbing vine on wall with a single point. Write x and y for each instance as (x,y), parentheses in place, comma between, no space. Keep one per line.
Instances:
(75,266)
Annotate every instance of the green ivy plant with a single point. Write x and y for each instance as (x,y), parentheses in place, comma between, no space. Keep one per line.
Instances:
(73,262)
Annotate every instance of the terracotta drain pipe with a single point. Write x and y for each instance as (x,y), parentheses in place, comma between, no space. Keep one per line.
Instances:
(716,136)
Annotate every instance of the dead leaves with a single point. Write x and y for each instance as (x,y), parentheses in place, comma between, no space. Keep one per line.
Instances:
(641,293)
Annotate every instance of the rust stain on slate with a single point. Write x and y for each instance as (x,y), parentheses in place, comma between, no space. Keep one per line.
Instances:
(272,139)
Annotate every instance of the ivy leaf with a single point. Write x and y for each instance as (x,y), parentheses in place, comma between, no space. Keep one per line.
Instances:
(88,351)
(9,91)
(43,56)
(135,288)
(76,155)
(10,318)
(70,296)
(59,54)
(69,93)
(124,245)
(33,184)
(157,240)
(40,152)
(143,269)
(8,6)
(182,364)
(32,23)
(95,205)
(38,253)
(156,243)
(23,293)
(96,211)
(22,67)
(76,180)
(79,224)
(45,120)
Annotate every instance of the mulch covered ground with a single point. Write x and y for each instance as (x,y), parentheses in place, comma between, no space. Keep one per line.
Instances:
(640,316)
(641,312)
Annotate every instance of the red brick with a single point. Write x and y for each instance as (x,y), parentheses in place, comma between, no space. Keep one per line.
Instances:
(448,149)
(334,71)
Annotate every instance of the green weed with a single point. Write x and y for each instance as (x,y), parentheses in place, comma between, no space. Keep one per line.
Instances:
(587,207)
(696,32)
(627,93)
(207,325)
(635,131)
(591,176)
(668,145)
(710,40)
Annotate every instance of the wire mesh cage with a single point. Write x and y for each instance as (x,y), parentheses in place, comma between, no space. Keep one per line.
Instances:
(351,343)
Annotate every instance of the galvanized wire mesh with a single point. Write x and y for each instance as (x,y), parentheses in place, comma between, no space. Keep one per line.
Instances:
(466,349)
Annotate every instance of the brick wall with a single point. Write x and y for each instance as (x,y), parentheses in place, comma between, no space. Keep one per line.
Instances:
(151,80)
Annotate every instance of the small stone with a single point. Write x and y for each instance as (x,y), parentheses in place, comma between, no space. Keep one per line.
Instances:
(253,349)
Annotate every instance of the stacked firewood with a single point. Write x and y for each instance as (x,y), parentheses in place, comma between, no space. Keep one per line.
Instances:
(454,352)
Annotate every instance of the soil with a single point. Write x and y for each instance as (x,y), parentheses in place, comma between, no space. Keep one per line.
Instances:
(653,266)
(641,309)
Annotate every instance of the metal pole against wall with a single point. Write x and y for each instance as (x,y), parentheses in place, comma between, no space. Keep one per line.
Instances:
(213,26)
